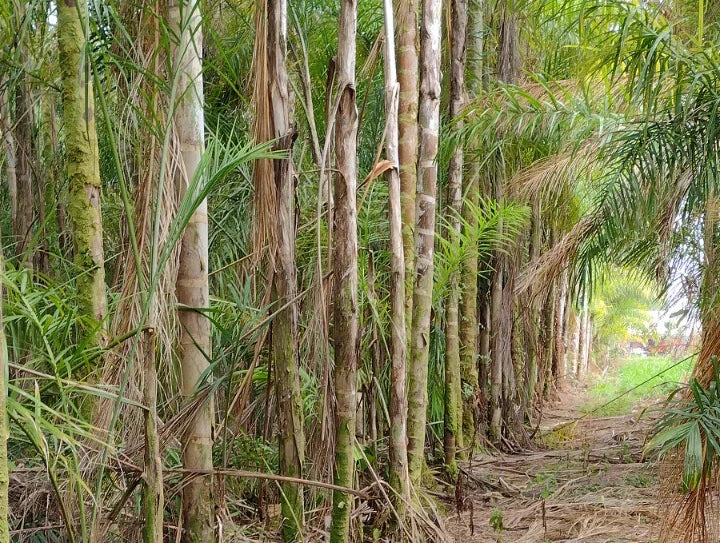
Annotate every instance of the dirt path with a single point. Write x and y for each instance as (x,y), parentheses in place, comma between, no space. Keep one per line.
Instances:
(589,484)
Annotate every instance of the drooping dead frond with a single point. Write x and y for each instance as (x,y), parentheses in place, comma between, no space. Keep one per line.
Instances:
(548,176)
(264,197)
(538,274)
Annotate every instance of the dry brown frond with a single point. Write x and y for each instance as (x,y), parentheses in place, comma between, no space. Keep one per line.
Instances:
(264,197)
(545,269)
(548,176)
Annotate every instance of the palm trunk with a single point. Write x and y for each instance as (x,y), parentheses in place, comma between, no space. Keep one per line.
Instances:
(453,383)
(565,335)
(549,340)
(559,331)
(4,430)
(534,309)
(345,269)
(571,354)
(399,477)
(83,166)
(469,278)
(9,147)
(582,338)
(407,12)
(588,343)
(153,496)
(507,68)
(192,288)
(285,334)
(429,125)
(23,219)
(483,366)
(496,363)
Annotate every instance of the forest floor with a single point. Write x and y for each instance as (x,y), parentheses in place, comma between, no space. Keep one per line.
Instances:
(584,481)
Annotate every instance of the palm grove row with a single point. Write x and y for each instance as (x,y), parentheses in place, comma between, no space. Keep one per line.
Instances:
(314,253)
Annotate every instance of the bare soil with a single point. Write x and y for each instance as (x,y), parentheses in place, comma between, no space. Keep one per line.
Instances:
(585,481)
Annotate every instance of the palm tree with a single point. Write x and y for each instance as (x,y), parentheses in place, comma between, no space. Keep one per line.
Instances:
(407,15)
(192,285)
(399,476)
(469,273)
(345,271)
(453,385)
(83,166)
(429,130)
(4,430)
(273,122)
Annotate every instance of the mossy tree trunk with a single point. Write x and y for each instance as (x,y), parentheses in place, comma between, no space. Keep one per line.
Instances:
(345,269)
(192,287)
(429,128)
(83,166)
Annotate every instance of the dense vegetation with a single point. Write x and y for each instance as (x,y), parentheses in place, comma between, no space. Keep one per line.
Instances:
(276,268)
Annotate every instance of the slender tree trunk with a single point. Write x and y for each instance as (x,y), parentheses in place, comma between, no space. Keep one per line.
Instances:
(153,496)
(9,147)
(534,347)
(567,314)
(399,476)
(496,363)
(549,340)
(275,92)
(588,343)
(345,269)
(407,14)
(582,341)
(429,127)
(469,280)
(571,355)
(507,69)
(4,430)
(83,165)
(453,383)
(24,218)
(483,347)
(192,287)
(559,331)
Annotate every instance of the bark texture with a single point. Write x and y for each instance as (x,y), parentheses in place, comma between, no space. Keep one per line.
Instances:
(4,430)
(9,147)
(345,269)
(284,292)
(469,347)
(399,476)
(453,383)
(83,166)
(153,495)
(407,59)
(192,286)
(429,127)
(582,338)
(24,215)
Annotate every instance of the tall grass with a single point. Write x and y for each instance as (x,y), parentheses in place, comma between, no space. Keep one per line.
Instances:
(629,376)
